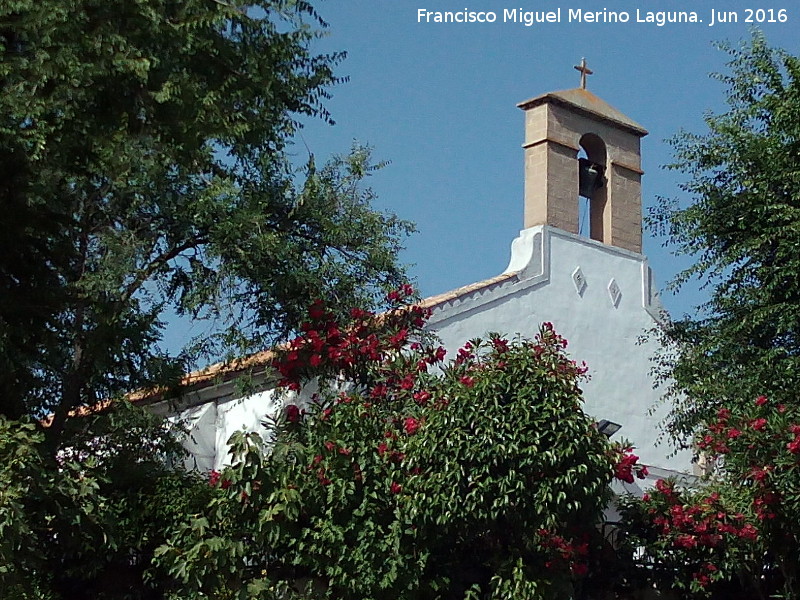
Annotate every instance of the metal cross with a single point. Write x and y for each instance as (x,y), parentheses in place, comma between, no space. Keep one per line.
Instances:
(584,72)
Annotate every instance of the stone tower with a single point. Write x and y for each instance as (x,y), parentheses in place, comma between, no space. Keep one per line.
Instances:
(558,126)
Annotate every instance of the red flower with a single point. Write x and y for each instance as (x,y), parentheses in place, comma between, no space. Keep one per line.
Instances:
(500,344)
(758,424)
(422,397)
(398,339)
(580,569)
(761,401)
(292,413)
(467,381)
(213,478)
(702,580)
(438,355)
(396,488)
(623,470)
(411,425)
(748,532)
(407,383)
(733,433)
(317,310)
(686,541)
(383,447)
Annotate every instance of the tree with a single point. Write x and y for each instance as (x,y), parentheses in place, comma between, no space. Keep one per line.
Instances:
(734,368)
(740,225)
(145,170)
(480,477)
(88,527)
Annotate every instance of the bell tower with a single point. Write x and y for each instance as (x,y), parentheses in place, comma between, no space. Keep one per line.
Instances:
(558,127)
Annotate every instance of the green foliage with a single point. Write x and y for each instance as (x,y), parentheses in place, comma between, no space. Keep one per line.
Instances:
(85,525)
(697,542)
(144,170)
(737,535)
(479,478)
(740,226)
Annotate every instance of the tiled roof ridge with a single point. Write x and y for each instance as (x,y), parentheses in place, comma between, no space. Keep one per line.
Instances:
(228,370)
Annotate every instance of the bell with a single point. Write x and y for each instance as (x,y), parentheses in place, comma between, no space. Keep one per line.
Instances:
(590,177)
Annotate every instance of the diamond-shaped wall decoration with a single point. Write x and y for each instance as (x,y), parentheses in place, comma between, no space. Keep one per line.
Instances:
(614,292)
(579,279)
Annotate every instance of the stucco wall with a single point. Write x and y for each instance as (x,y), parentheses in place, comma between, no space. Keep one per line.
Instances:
(605,334)
(602,328)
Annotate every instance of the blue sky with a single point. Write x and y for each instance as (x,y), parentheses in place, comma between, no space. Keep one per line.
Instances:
(439,102)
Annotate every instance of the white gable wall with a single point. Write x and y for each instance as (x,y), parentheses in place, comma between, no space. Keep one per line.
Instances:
(604,334)
(538,286)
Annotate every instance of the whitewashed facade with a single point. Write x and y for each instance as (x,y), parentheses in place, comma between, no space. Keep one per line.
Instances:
(598,293)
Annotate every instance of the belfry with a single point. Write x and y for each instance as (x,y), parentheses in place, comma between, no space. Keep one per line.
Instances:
(596,289)
(558,127)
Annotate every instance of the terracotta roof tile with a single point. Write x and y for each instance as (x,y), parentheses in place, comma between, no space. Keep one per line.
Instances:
(225,371)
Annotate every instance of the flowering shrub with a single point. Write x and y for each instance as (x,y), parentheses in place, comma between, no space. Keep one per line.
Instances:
(626,465)
(480,476)
(741,529)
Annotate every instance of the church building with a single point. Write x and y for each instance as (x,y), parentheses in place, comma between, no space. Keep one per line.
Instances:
(596,289)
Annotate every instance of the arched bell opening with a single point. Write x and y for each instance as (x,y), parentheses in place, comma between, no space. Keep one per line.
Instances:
(592,189)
